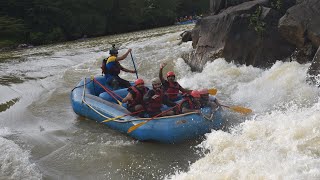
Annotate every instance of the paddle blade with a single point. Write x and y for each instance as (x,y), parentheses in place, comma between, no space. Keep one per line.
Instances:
(212,91)
(111,119)
(132,128)
(107,120)
(240,109)
(120,103)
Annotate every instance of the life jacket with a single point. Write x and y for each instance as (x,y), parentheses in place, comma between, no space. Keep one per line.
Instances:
(186,99)
(155,105)
(172,90)
(111,66)
(137,96)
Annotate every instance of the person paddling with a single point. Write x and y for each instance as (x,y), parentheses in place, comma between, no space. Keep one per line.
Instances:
(170,86)
(206,100)
(155,98)
(190,102)
(135,95)
(111,69)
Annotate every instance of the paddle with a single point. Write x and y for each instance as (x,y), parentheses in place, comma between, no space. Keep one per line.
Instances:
(118,117)
(108,91)
(212,91)
(134,65)
(239,109)
(132,128)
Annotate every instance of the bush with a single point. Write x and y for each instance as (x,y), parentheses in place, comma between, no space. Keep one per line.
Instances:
(37,38)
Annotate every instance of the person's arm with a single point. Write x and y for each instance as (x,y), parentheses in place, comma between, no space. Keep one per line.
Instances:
(217,102)
(120,58)
(127,98)
(185,108)
(213,99)
(167,101)
(127,70)
(160,72)
(147,97)
(183,89)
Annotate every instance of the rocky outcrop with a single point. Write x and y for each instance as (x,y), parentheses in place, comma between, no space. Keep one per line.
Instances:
(217,5)
(258,33)
(303,54)
(245,45)
(245,33)
(301,23)
(314,69)
(186,36)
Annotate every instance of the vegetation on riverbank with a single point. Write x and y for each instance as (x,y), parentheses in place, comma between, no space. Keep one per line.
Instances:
(43,21)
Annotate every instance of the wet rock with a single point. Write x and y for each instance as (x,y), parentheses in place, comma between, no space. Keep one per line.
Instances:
(260,48)
(186,36)
(231,34)
(314,69)
(23,46)
(217,5)
(301,23)
(250,33)
(304,54)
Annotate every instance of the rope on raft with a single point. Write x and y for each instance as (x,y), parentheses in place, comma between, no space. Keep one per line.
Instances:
(130,120)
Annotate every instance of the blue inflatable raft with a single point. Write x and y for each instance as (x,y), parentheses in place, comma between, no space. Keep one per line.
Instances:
(90,100)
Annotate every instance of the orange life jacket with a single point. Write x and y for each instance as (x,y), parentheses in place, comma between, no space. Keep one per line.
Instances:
(186,99)
(137,96)
(154,105)
(172,90)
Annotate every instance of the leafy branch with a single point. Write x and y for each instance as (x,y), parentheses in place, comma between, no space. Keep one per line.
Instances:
(256,22)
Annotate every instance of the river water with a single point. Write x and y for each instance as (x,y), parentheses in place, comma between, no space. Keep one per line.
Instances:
(42,138)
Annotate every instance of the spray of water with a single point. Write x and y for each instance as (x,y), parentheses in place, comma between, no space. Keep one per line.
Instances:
(281,140)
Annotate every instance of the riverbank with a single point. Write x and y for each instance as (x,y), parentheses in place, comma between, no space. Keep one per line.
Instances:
(11,45)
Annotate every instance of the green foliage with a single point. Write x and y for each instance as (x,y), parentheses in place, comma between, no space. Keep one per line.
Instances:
(12,31)
(7,43)
(55,35)
(47,21)
(256,22)
(12,27)
(37,38)
(276,4)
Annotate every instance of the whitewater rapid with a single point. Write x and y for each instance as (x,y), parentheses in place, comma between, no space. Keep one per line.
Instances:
(281,140)
(41,137)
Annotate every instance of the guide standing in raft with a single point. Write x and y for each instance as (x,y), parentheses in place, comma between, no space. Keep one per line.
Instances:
(111,69)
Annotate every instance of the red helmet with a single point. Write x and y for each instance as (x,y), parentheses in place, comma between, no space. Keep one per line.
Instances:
(138,81)
(203,91)
(195,94)
(170,73)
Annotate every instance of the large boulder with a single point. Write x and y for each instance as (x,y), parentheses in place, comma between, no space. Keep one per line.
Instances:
(314,69)
(186,36)
(246,33)
(217,5)
(258,48)
(301,23)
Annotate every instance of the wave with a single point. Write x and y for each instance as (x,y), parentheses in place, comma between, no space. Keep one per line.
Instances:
(15,163)
(279,141)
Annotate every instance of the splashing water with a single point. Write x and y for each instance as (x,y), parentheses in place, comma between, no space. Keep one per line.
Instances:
(280,140)
(15,161)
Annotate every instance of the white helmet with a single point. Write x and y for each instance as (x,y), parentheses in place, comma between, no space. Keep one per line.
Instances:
(156,81)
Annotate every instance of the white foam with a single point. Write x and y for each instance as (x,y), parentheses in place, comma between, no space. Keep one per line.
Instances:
(15,163)
(281,141)
(279,145)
